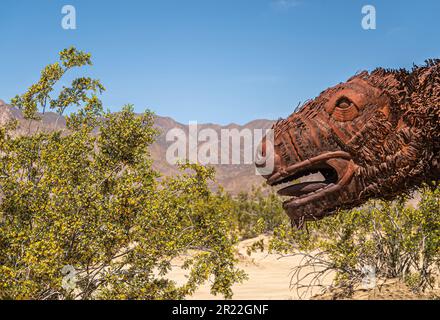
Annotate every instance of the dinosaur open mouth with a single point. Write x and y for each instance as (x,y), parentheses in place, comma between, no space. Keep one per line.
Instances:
(314,178)
(311,180)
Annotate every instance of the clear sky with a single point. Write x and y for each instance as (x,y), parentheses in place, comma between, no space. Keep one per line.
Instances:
(216,61)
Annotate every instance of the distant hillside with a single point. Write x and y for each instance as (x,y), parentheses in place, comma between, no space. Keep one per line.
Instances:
(234,178)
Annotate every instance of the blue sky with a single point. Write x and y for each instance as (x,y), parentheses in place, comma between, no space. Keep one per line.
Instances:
(216,61)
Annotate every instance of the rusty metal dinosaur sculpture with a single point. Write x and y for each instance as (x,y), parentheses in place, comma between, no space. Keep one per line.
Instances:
(375,136)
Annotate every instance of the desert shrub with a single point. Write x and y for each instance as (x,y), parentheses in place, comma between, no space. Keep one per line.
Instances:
(383,238)
(257,212)
(84,216)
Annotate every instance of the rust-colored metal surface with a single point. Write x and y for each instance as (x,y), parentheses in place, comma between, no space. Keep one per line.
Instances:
(375,136)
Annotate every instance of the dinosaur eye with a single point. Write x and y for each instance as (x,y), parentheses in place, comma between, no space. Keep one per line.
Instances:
(345,110)
(344,103)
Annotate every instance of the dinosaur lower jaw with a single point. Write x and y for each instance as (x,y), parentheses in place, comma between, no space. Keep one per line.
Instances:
(311,198)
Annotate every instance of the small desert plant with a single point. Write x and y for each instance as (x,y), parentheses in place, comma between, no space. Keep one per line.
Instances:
(257,212)
(387,239)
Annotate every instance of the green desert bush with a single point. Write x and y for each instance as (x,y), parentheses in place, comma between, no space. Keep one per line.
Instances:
(84,216)
(257,212)
(390,239)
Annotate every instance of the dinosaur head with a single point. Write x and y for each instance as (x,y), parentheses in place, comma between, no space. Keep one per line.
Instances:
(368,137)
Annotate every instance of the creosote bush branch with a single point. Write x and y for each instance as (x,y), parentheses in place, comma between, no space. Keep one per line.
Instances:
(88,198)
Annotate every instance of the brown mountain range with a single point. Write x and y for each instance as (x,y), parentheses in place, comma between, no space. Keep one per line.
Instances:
(234,178)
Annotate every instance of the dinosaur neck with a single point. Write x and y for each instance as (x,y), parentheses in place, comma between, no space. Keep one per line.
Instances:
(403,162)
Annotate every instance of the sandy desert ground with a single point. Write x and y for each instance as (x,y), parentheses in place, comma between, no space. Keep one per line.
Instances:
(269,278)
